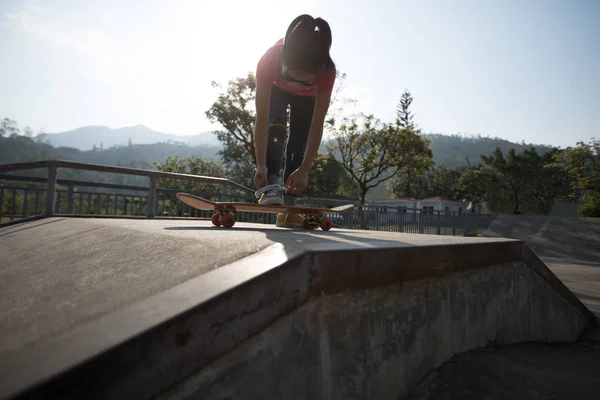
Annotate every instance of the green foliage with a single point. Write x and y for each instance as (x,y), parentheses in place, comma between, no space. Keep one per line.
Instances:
(191,165)
(582,165)
(546,183)
(233,111)
(409,185)
(443,182)
(327,177)
(9,128)
(368,148)
(523,182)
(478,184)
(591,205)
(511,171)
(529,180)
(339,103)
(404,117)
(438,181)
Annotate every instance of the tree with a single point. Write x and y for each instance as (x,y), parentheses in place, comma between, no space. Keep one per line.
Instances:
(339,103)
(438,181)
(409,186)
(546,183)
(369,148)
(582,164)
(192,165)
(474,185)
(327,176)
(9,128)
(407,183)
(404,117)
(513,171)
(526,180)
(234,111)
(443,182)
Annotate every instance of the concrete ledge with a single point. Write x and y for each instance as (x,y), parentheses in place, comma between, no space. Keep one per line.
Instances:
(143,349)
(381,342)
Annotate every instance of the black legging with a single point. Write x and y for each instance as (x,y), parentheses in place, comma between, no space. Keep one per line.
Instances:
(301,112)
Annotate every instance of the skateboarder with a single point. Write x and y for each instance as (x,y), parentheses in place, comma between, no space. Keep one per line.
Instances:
(297,71)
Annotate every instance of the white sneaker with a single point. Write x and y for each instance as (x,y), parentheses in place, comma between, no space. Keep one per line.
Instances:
(270,195)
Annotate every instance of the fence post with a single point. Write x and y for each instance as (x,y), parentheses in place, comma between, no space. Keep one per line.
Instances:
(51,188)
(71,189)
(400,219)
(151,202)
(453,223)
(439,227)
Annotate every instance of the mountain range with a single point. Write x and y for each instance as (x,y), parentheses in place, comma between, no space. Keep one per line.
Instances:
(449,150)
(102,137)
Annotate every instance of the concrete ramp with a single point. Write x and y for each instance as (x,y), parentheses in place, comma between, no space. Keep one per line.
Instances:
(570,247)
(568,239)
(379,342)
(309,315)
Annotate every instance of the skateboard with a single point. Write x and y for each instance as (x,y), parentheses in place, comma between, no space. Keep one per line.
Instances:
(225,211)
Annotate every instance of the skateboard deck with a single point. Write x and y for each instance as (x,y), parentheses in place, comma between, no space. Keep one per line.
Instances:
(225,211)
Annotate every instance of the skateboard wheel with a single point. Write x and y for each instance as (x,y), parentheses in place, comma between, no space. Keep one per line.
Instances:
(228,221)
(216,220)
(326,224)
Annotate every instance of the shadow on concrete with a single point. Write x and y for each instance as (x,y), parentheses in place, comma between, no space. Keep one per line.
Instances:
(292,238)
(11,229)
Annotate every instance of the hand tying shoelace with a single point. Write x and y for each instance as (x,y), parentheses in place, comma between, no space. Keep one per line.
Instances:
(268,188)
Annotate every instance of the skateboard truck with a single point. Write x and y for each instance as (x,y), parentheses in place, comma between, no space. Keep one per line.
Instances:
(226,218)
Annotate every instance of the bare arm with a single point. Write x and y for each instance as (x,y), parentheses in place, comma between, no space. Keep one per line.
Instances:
(316,129)
(261,127)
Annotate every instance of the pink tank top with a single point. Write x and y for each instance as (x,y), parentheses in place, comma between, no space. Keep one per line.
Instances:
(268,72)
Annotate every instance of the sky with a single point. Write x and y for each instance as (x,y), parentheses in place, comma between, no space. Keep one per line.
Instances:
(520,70)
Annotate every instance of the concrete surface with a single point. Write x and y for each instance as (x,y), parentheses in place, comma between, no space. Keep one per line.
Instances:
(133,306)
(570,247)
(59,273)
(566,239)
(379,343)
(525,371)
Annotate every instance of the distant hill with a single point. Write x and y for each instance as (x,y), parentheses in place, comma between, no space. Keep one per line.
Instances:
(454,151)
(88,137)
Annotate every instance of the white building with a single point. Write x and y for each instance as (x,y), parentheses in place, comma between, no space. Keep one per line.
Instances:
(406,204)
(428,206)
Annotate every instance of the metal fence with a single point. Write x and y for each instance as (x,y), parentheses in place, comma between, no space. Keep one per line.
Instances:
(24,198)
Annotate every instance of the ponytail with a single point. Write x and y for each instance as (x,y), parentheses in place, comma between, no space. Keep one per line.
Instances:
(326,39)
(307,43)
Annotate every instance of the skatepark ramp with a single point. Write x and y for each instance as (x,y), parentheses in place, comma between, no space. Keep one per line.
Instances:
(562,238)
(170,309)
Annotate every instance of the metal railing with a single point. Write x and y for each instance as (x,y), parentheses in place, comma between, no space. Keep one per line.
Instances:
(24,198)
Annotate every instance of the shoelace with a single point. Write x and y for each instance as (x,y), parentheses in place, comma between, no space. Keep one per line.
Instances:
(268,188)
